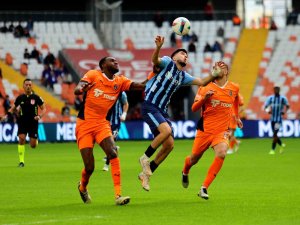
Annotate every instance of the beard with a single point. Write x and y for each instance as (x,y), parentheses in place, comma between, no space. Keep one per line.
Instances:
(114,70)
(183,64)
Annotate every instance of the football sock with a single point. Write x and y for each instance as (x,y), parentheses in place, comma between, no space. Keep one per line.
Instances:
(150,151)
(85,177)
(231,144)
(116,175)
(273,145)
(107,161)
(213,171)
(21,151)
(187,165)
(153,166)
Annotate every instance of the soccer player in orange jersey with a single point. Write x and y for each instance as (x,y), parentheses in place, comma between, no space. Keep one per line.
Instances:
(100,91)
(233,142)
(215,102)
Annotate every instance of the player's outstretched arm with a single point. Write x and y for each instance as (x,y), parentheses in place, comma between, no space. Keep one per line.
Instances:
(135,86)
(159,41)
(216,72)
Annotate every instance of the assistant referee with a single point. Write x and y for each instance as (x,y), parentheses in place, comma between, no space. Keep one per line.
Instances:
(27,106)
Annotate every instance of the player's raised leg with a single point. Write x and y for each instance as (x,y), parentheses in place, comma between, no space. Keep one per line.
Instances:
(220,153)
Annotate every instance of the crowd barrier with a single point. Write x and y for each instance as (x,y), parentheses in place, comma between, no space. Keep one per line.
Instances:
(139,130)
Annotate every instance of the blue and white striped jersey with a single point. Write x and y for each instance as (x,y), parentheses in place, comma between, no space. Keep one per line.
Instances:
(160,88)
(118,110)
(277,103)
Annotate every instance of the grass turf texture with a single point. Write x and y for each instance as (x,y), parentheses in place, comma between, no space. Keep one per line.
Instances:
(252,187)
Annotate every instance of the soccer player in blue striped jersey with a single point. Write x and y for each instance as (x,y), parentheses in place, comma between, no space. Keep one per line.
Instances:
(158,92)
(276,105)
(117,115)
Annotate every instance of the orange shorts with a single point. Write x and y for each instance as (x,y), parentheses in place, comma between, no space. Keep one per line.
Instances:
(205,140)
(89,132)
(233,123)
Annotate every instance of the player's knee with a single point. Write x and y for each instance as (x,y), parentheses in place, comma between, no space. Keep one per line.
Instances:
(112,154)
(221,153)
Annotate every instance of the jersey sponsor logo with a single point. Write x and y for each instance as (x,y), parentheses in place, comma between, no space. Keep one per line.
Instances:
(98,92)
(215,103)
(32,101)
(227,105)
(109,97)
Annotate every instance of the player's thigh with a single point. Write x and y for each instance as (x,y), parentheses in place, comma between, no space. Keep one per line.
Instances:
(201,143)
(154,118)
(220,143)
(102,131)
(84,135)
(108,146)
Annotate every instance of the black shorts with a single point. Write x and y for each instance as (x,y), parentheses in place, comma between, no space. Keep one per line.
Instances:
(275,127)
(154,117)
(28,128)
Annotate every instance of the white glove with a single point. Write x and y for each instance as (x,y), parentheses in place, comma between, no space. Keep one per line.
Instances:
(123,116)
(216,71)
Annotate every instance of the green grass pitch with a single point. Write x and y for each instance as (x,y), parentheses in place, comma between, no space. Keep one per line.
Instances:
(252,187)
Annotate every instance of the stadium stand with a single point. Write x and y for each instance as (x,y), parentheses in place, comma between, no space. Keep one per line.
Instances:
(142,35)
(280,64)
(278,59)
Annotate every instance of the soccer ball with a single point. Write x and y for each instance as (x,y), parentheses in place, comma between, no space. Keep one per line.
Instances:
(181,26)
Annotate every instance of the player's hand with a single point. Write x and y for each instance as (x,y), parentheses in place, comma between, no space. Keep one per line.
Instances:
(87,86)
(239,123)
(37,118)
(216,71)
(159,41)
(3,118)
(208,94)
(123,116)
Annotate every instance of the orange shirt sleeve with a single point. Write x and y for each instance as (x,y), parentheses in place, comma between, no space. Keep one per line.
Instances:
(151,74)
(125,83)
(90,76)
(241,100)
(199,100)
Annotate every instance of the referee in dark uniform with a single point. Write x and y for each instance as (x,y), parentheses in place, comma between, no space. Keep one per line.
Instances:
(26,107)
(276,105)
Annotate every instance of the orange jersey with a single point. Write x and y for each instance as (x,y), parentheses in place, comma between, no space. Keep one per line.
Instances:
(102,95)
(217,110)
(240,102)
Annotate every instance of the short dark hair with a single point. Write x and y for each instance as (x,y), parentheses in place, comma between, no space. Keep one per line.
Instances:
(178,50)
(27,79)
(102,61)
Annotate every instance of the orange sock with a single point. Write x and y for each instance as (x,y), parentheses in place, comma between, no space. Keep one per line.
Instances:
(116,175)
(85,177)
(232,143)
(187,165)
(213,171)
